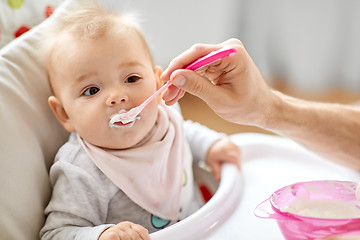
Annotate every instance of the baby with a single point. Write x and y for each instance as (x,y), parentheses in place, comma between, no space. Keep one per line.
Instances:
(122,180)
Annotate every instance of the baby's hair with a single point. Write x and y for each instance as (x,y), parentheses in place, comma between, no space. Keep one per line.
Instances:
(90,21)
(87,20)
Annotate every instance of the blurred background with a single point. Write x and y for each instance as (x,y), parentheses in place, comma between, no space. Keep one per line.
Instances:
(308,49)
(305,48)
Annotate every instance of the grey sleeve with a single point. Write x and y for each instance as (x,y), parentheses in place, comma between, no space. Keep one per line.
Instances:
(79,204)
(200,139)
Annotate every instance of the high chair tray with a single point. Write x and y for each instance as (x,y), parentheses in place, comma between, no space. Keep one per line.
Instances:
(269,162)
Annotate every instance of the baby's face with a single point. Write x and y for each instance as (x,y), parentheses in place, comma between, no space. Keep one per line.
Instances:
(95,79)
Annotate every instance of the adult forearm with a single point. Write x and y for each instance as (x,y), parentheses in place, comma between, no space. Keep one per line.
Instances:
(331,130)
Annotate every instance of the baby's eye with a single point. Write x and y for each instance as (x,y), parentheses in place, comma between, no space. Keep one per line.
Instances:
(132,79)
(91,91)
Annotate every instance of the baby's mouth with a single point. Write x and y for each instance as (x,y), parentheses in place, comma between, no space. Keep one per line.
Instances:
(117,120)
(120,124)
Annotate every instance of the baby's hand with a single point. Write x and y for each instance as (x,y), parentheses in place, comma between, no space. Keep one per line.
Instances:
(223,151)
(125,231)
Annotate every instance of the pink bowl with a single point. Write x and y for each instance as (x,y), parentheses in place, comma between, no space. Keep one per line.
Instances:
(296,227)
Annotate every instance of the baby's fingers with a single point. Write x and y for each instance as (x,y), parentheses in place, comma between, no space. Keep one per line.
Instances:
(143,232)
(216,170)
(125,231)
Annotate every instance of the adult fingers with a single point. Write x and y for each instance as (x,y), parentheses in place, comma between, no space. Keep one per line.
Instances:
(172,95)
(186,58)
(195,84)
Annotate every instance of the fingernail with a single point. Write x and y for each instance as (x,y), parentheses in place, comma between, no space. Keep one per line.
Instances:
(179,81)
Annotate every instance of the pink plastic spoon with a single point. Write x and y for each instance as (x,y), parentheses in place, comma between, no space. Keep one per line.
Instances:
(130,116)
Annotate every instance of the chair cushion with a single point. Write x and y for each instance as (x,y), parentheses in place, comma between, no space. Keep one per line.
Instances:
(18,16)
(29,138)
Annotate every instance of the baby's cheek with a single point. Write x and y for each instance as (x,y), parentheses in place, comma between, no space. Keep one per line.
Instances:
(150,114)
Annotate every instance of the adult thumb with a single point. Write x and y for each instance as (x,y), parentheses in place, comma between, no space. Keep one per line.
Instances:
(193,83)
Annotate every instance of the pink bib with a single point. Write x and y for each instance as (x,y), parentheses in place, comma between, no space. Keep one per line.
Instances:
(150,174)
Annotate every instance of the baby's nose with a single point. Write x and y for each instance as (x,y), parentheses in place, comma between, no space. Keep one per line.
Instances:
(117,98)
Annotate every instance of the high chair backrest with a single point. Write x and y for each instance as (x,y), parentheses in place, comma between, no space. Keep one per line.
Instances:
(29,138)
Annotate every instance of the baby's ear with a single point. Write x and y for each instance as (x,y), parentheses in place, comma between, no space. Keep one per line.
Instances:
(157,73)
(60,113)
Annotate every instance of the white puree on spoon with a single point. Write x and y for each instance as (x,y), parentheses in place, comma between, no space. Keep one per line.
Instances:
(123,118)
(324,208)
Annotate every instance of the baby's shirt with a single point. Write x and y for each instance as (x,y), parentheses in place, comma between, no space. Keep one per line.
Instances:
(85,201)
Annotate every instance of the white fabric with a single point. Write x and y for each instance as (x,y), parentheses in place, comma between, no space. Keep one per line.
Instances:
(150,173)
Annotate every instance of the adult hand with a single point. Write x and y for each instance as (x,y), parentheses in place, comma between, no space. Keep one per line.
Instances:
(238,93)
(236,90)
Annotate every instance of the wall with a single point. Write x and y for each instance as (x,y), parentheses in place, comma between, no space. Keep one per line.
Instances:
(173,26)
(314,45)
